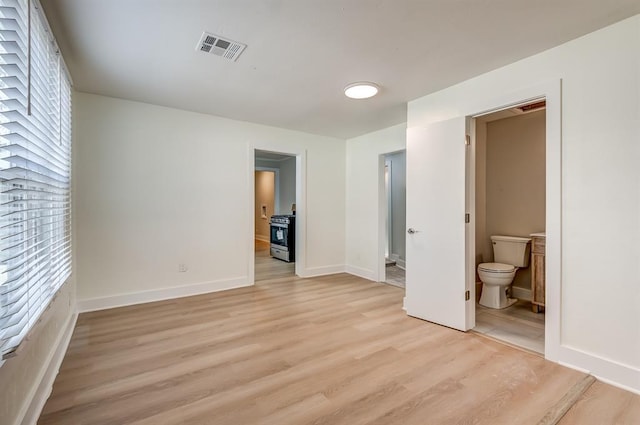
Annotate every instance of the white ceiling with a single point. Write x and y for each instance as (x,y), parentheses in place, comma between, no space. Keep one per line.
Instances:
(301,53)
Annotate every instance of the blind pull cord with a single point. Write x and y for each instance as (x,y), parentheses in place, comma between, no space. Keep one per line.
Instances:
(29,57)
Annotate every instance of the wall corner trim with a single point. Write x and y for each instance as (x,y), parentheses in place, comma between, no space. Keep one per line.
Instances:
(49,373)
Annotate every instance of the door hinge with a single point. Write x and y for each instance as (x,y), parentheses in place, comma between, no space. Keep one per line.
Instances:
(467,140)
(467,295)
(467,218)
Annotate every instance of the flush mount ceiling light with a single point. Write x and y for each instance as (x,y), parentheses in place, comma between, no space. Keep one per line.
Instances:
(361,90)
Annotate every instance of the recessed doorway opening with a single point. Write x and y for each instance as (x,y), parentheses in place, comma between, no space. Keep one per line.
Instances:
(274,215)
(510,192)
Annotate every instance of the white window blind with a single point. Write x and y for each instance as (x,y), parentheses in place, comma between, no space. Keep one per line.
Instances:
(35,170)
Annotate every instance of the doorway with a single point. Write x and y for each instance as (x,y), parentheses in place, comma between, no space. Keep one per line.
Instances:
(394,180)
(274,206)
(510,187)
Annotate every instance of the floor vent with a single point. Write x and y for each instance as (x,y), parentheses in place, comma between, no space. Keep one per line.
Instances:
(219,46)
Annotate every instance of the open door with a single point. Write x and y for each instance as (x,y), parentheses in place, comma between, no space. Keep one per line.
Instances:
(438,275)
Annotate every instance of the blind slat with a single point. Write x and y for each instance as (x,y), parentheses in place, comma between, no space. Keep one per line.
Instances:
(8,255)
(24,275)
(11,255)
(35,170)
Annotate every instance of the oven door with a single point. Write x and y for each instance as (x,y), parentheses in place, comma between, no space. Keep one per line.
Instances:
(280,234)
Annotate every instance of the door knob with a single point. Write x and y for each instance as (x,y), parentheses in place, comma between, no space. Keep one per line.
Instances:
(411,230)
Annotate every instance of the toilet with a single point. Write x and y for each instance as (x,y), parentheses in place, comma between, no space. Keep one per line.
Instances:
(509,254)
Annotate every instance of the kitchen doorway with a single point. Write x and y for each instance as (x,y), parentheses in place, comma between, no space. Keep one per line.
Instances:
(274,215)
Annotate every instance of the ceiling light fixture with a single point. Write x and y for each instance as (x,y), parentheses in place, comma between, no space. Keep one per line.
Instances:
(361,90)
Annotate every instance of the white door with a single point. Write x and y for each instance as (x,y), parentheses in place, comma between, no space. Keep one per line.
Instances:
(437,273)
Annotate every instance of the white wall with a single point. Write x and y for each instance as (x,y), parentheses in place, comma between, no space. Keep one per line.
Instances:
(265,187)
(148,198)
(363,197)
(286,181)
(288,184)
(600,72)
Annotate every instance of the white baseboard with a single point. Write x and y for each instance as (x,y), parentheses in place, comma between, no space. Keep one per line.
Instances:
(322,270)
(363,273)
(609,371)
(399,261)
(521,293)
(49,373)
(121,300)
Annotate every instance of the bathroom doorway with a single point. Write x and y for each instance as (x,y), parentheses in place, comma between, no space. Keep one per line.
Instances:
(274,200)
(394,174)
(441,211)
(510,193)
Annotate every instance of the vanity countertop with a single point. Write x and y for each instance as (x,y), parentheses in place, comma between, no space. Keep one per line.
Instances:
(538,235)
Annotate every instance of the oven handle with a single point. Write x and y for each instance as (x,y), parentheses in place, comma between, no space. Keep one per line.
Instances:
(284,226)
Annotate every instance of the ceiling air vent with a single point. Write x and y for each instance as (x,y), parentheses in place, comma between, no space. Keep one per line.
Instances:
(219,46)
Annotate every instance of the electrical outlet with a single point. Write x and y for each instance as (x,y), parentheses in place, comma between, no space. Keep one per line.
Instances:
(182,268)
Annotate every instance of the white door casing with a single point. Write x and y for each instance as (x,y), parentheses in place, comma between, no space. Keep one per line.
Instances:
(503,98)
(436,276)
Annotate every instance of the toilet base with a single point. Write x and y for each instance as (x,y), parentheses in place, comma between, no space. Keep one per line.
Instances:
(494,296)
(510,302)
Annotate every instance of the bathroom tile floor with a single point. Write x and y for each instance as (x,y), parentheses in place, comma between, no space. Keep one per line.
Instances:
(516,325)
(395,276)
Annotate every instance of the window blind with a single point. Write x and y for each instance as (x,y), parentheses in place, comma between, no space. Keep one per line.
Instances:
(35,170)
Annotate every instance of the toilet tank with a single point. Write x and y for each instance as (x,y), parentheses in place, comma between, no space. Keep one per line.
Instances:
(511,250)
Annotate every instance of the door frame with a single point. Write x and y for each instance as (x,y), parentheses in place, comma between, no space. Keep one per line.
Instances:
(301,208)
(551,91)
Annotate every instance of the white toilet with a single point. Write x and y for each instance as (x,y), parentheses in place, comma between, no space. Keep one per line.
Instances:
(509,253)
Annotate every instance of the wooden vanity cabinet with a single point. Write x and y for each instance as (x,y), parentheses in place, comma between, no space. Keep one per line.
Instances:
(537,273)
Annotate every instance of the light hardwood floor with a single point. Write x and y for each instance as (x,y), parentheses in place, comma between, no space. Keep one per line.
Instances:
(267,267)
(329,350)
(516,325)
(603,404)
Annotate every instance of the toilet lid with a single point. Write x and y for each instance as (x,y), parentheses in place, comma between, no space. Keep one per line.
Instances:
(496,267)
